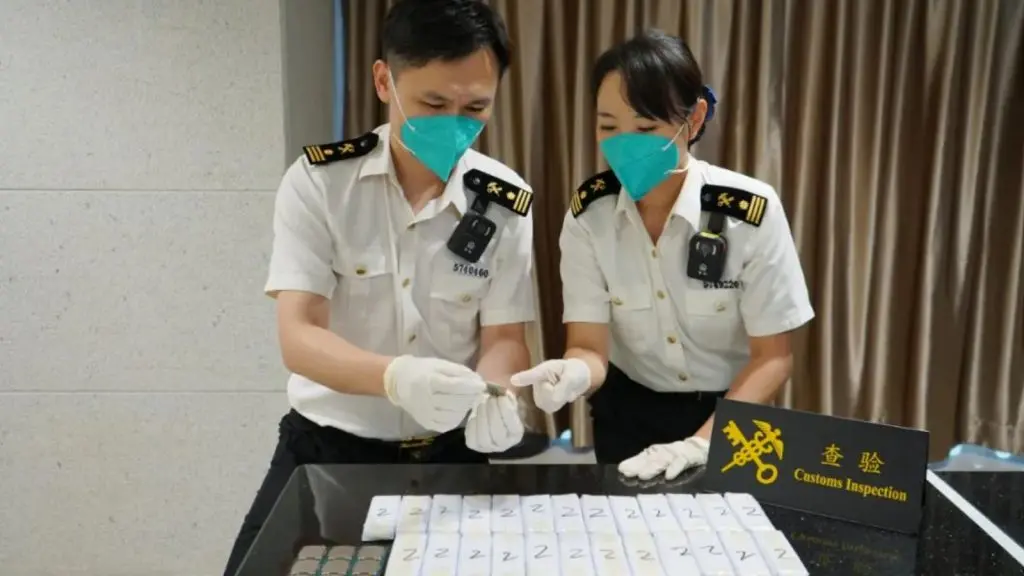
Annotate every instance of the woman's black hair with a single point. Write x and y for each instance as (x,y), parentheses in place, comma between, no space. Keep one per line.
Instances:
(661,77)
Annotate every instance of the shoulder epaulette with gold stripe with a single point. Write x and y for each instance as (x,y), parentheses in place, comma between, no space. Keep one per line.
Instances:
(735,202)
(496,190)
(599,186)
(321,154)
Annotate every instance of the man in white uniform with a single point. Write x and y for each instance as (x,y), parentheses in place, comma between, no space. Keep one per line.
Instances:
(401,267)
(681,279)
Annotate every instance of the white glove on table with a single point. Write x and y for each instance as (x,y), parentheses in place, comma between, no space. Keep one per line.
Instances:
(671,459)
(494,424)
(555,382)
(436,393)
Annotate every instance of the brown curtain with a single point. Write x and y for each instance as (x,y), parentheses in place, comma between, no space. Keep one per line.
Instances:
(894,131)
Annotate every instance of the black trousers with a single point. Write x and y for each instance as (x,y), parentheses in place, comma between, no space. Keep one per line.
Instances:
(300,442)
(628,417)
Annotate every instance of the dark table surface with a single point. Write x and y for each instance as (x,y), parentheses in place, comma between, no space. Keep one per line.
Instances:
(327,505)
(997,495)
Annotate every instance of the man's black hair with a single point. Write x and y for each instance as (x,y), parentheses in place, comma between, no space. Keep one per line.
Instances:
(417,32)
(661,77)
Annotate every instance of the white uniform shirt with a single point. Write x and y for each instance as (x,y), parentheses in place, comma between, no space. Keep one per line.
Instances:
(345,231)
(671,332)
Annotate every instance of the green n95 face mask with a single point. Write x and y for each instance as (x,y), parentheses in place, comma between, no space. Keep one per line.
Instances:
(438,142)
(641,161)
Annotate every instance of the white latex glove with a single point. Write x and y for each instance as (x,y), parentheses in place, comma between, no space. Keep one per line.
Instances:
(436,393)
(555,382)
(494,424)
(671,459)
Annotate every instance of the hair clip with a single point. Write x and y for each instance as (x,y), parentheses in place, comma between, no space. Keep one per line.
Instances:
(712,99)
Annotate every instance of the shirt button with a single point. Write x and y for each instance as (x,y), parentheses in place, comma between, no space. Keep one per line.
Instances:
(412,339)
(406,282)
(671,339)
(654,253)
(661,295)
(720,306)
(683,377)
(360,270)
(617,301)
(466,298)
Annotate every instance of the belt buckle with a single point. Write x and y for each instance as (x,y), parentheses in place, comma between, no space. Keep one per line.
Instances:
(416,443)
(415,447)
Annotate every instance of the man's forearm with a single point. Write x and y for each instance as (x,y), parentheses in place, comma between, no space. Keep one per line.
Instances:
(594,361)
(758,383)
(330,360)
(502,359)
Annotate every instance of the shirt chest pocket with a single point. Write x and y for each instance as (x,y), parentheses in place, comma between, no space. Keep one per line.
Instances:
(365,282)
(633,320)
(713,318)
(454,305)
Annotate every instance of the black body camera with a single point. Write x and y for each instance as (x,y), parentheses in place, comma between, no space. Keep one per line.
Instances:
(471,236)
(708,251)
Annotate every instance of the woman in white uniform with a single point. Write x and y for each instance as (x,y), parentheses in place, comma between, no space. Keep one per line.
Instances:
(681,279)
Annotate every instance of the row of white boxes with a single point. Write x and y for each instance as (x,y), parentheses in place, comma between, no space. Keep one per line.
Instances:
(650,534)
(697,553)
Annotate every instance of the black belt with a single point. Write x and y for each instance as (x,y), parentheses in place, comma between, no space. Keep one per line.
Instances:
(418,448)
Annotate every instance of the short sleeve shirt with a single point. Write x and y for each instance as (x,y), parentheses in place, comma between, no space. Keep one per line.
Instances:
(671,332)
(345,231)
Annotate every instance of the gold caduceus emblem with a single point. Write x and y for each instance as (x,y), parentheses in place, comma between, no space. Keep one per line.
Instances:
(494,188)
(597,185)
(347,148)
(724,199)
(765,441)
